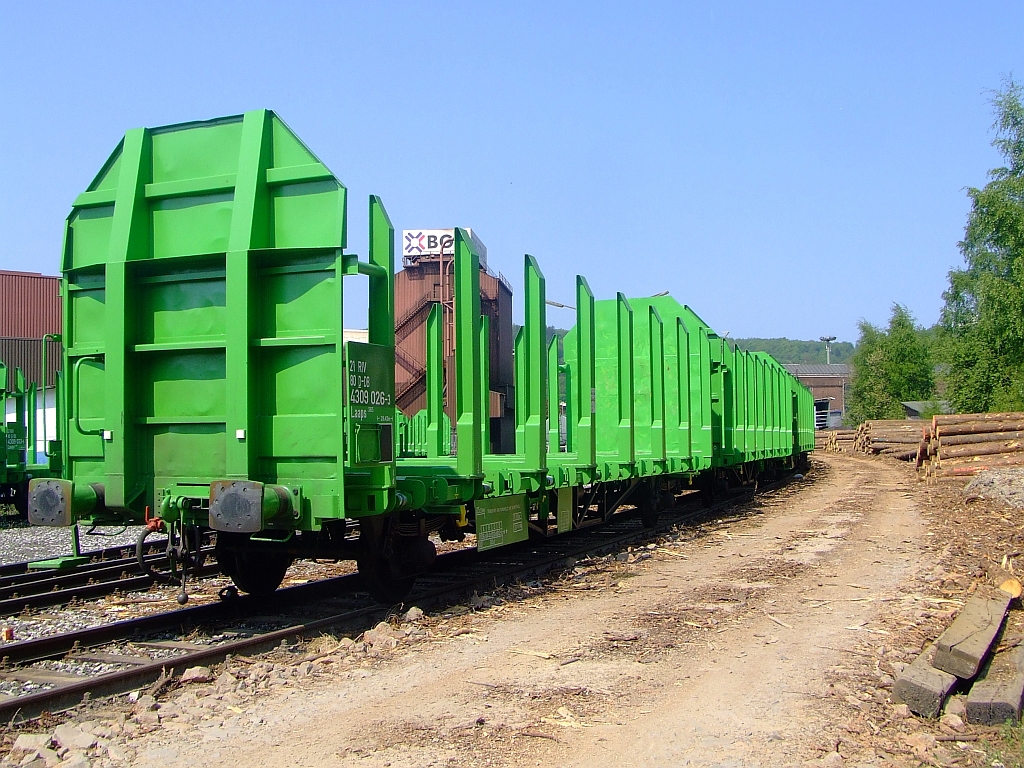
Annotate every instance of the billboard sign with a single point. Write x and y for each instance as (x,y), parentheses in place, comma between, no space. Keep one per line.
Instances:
(420,243)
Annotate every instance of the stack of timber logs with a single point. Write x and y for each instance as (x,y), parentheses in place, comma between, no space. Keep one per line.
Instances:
(965,444)
(837,440)
(948,445)
(899,438)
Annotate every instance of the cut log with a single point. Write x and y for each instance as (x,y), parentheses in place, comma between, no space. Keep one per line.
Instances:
(981,449)
(962,648)
(999,460)
(980,465)
(922,687)
(997,697)
(982,437)
(978,427)
(903,455)
(960,418)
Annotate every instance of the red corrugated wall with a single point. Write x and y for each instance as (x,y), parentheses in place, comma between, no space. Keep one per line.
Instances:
(27,354)
(29,305)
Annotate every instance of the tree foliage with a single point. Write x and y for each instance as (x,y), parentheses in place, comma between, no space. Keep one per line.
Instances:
(983,316)
(890,366)
(794,351)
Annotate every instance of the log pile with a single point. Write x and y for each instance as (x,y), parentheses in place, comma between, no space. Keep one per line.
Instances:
(899,438)
(965,444)
(948,445)
(837,440)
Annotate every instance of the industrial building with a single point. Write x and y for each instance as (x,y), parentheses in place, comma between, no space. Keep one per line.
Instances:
(828,384)
(30,310)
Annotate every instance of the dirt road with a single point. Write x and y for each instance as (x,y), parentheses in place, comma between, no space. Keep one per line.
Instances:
(721,648)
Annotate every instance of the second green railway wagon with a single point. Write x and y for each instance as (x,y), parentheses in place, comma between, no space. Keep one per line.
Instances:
(21,431)
(209,385)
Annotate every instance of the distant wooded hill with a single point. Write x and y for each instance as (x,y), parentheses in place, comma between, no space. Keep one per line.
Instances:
(795,351)
(783,350)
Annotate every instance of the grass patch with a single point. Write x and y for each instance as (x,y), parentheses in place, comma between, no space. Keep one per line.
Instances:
(1007,749)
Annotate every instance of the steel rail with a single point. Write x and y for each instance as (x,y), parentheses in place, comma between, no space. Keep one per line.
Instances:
(108,586)
(473,571)
(11,571)
(48,579)
(83,583)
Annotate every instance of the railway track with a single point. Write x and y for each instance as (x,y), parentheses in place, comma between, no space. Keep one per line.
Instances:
(119,552)
(110,570)
(57,672)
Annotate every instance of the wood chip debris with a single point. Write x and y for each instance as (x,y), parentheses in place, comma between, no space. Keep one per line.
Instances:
(862,628)
(568,719)
(621,637)
(539,735)
(527,652)
(664,551)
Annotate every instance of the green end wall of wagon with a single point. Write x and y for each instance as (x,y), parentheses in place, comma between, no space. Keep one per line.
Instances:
(203,273)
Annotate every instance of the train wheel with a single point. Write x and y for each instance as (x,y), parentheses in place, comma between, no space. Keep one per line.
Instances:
(259,573)
(225,556)
(647,504)
(666,500)
(380,580)
(380,562)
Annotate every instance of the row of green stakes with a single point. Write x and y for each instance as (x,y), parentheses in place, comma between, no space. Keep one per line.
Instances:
(649,389)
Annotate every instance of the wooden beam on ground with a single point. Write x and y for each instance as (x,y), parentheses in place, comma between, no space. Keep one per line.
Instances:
(962,648)
(996,697)
(922,687)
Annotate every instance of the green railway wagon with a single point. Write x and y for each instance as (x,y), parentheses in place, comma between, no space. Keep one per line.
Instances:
(20,434)
(651,404)
(14,430)
(209,386)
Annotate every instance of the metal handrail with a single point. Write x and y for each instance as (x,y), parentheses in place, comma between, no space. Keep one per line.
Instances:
(74,384)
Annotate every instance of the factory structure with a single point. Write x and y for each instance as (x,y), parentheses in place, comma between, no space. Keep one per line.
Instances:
(426,280)
(30,312)
(828,385)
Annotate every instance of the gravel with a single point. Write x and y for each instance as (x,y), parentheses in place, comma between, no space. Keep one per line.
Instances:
(20,542)
(75,667)
(1006,485)
(20,688)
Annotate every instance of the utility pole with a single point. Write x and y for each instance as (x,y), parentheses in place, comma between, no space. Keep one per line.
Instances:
(828,347)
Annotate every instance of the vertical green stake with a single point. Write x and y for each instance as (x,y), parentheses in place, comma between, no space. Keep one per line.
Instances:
(624,321)
(586,356)
(438,439)
(554,432)
(469,460)
(657,346)
(535,328)
(485,383)
(382,287)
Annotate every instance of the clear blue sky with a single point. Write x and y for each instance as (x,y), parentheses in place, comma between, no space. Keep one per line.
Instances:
(784,172)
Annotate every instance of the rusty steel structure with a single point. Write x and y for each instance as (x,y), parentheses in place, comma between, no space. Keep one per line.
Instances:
(428,281)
